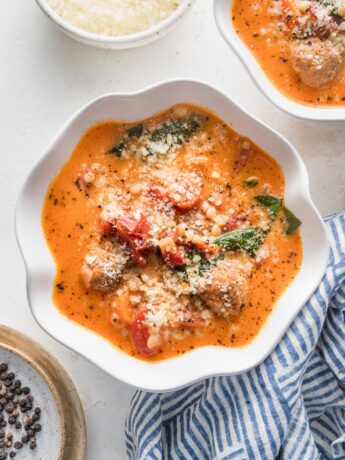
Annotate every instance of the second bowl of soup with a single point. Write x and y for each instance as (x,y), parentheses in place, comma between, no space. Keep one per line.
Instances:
(293,49)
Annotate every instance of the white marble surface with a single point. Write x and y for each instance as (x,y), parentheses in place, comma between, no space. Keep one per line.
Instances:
(44,77)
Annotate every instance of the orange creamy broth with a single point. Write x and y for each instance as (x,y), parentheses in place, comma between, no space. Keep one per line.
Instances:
(271,50)
(71,219)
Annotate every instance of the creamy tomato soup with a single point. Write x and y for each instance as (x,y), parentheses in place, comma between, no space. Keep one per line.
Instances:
(170,233)
(299,44)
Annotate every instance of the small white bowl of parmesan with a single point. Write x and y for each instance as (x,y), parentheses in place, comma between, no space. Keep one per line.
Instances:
(115,24)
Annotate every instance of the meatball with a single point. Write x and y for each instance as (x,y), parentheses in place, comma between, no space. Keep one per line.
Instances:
(225,288)
(103,267)
(316,62)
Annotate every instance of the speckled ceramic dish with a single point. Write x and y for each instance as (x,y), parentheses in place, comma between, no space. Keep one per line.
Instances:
(62,420)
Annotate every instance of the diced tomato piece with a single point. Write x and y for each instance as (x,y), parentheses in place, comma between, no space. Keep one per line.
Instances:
(173,259)
(156,194)
(140,333)
(185,192)
(132,223)
(132,228)
(171,254)
(108,228)
(232,223)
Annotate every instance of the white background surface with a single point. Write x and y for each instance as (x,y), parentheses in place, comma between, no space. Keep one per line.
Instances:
(44,78)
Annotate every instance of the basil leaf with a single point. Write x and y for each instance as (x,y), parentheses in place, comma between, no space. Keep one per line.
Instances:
(248,240)
(251,181)
(117,149)
(206,264)
(136,131)
(204,267)
(292,222)
(272,203)
(181,130)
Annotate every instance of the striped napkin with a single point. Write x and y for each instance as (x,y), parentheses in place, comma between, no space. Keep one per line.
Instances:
(291,407)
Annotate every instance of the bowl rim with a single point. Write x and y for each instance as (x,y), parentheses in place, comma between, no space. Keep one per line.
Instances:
(164,385)
(143,36)
(221,14)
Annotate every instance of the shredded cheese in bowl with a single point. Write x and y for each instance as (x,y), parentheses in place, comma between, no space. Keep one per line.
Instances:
(114,17)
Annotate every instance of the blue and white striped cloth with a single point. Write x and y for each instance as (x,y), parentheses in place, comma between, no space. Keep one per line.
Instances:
(291,407)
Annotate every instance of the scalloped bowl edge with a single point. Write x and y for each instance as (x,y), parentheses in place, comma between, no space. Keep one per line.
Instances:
(202,362)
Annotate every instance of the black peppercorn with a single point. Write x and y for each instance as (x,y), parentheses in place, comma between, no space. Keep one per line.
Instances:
(37,427)
(33,445)
(13,403)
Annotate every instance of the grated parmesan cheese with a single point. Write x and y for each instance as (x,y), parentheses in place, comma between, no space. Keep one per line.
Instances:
(114,17)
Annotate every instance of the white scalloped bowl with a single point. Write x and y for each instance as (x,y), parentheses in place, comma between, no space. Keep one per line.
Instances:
(202,362)
(222,9)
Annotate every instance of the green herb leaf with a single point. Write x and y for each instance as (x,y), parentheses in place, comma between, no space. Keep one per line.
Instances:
(251,181)
(181,272)
(181,129)
(248,240)
(334,4)
(117,149)
(272,203)
(204,267)
(292,222)
(136,131)
(206,264)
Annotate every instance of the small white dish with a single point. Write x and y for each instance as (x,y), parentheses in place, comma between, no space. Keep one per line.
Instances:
(117,42)
(222,14)
(202,362)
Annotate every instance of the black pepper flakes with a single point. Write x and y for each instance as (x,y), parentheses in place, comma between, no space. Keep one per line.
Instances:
(13,406)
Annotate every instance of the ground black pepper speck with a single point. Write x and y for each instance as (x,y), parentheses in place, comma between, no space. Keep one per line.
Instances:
(17,412)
